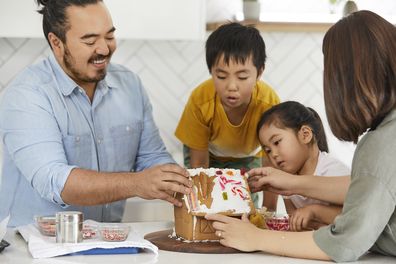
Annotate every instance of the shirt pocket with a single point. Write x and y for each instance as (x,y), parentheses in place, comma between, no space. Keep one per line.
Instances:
(78,150)
(125,140)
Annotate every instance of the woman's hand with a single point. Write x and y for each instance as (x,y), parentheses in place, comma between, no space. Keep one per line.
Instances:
(244,236)
(271,179)
(236,233)
(329,189)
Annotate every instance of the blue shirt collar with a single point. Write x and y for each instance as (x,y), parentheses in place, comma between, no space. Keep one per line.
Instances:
(68,84)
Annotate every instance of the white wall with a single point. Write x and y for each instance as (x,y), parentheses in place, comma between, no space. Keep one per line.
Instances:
(134,19)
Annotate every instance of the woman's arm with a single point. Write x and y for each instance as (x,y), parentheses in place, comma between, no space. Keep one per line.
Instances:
(243,235)
(325,213)
(329,189)
(289,244)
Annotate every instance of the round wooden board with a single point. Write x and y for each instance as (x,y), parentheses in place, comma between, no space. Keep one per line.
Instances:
(162,240)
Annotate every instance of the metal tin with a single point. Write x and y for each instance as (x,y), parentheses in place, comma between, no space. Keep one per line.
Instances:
(69,225)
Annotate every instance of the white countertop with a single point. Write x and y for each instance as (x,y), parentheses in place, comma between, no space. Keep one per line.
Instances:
(18,253)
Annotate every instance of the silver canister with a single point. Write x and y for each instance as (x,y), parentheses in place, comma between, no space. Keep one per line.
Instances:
(69,226)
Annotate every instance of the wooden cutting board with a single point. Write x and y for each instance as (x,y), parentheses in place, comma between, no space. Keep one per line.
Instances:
(162,240)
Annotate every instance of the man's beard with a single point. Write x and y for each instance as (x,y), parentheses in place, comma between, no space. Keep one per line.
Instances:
(76,74)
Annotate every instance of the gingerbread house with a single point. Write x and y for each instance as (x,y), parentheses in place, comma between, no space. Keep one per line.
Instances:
(223,191)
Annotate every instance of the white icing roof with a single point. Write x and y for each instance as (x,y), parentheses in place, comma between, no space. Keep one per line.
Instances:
(234,186)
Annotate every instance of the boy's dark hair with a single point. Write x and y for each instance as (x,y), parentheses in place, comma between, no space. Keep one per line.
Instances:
(359,73)
(236,42)
(293,115)
(54,15)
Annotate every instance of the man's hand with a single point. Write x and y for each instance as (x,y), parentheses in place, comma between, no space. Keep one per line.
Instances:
(163,182)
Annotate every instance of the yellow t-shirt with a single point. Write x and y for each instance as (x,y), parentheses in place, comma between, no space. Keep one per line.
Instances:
(204,124)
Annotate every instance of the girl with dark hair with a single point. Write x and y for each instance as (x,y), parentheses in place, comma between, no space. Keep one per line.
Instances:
(294,140)
(360,100)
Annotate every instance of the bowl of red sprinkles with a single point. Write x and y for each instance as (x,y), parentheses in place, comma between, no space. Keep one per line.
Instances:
(89,231)
(113,232)
(278,222)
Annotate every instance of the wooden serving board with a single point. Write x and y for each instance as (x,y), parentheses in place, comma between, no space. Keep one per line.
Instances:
(162,240)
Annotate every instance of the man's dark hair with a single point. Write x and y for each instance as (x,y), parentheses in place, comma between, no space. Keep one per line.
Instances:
(236,42)
(54,15)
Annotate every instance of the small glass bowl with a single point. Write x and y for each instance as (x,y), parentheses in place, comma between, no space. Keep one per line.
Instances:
(89,231)
(279,222)
(46,224)
(265,213)
(114,232)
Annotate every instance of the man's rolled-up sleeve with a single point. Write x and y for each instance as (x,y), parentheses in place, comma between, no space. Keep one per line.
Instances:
(31,136)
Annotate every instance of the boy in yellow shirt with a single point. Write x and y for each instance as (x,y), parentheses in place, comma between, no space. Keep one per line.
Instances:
(218,125)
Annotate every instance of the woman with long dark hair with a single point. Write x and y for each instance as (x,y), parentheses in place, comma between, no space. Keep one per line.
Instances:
(360,99)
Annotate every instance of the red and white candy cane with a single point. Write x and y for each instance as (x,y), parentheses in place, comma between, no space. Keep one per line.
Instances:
(237,190)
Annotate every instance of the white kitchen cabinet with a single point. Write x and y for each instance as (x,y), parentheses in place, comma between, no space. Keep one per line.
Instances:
(134,19)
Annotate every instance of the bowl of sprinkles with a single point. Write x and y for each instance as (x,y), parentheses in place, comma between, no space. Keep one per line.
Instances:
(113,232)
(46,224)
(89,231)
(278,222)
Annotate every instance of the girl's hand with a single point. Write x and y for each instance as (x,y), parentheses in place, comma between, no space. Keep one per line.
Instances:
(302,218)
(271,179)
(236,233)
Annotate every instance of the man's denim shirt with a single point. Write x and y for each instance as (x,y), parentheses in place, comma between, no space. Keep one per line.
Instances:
(49,126)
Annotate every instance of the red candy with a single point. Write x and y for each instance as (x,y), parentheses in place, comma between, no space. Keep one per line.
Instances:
(110,235)
(88,233)
(114,233)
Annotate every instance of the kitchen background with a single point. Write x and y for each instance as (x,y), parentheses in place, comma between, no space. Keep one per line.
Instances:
(170,69)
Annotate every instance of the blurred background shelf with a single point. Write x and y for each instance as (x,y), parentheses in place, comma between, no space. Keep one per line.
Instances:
(133,19)
(279,26)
